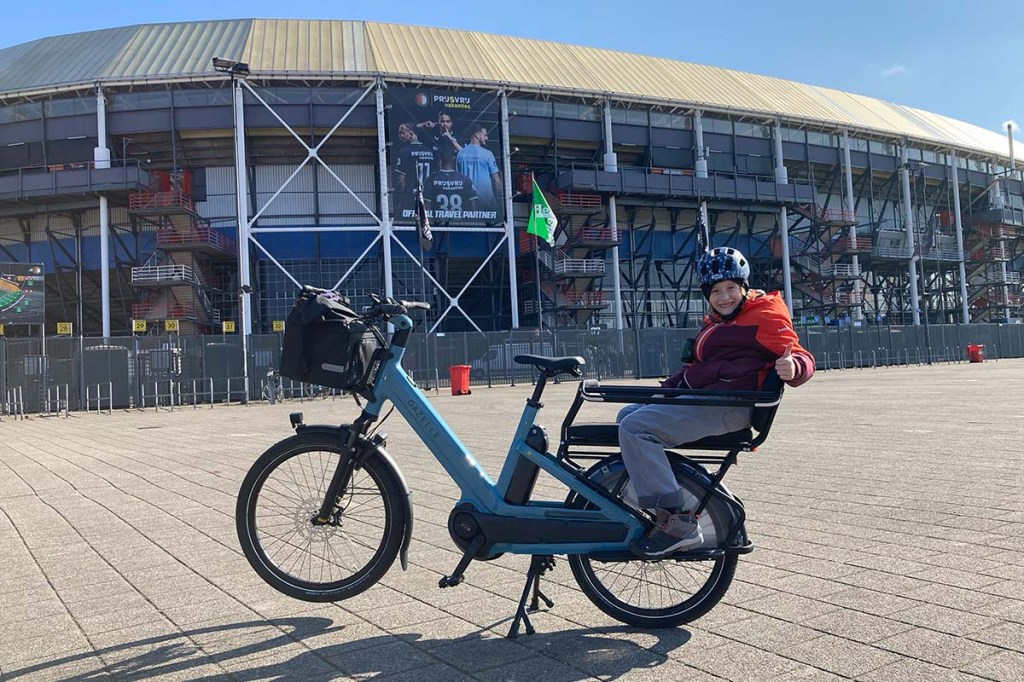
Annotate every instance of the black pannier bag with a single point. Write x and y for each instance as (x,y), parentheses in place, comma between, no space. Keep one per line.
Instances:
(326,343)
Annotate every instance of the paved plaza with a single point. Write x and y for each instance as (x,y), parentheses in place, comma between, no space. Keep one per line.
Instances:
(887,507)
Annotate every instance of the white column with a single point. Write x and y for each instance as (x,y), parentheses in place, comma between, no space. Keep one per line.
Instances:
(701,162)
(1009,140)
(787,274)
(782,178)
(101,159)
(955,180)
(101,153)
(908,219)
(385,209)
(995,190)
(858,310)
(611,165)
(781,174)
(242,211)
(510,228)
(104,264)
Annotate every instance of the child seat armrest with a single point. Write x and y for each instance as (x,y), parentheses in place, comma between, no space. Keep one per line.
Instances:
(593,391)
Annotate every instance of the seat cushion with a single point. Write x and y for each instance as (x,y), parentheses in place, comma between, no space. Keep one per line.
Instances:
(608,434)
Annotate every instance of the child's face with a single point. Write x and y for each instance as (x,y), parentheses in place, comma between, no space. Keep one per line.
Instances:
(725,297)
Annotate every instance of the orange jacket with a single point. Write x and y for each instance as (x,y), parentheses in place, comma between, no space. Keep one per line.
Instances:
(737,354)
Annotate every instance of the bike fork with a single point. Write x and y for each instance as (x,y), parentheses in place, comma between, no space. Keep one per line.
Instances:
(342,475)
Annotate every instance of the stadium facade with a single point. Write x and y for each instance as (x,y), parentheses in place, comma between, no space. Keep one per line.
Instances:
(127,157)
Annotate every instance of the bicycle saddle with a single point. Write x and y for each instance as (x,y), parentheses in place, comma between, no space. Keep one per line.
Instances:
(552,366)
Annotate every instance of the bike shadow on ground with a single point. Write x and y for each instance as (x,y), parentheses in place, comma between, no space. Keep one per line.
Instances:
(590,652)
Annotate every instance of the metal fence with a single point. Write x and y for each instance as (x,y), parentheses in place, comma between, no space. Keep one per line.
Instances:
(58,374)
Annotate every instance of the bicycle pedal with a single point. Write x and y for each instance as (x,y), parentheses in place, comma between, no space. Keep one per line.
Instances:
(450,581)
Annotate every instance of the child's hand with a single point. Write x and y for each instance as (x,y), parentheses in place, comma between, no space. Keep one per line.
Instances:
(785,366)
(674,380)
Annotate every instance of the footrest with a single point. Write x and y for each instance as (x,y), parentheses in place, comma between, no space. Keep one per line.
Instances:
(598,434)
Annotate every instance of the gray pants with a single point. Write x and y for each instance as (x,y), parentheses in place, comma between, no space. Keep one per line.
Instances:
(646,430)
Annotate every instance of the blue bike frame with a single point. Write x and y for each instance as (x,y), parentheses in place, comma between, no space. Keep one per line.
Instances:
(478,489)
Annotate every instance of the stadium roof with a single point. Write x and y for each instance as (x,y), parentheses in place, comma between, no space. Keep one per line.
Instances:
(159,53)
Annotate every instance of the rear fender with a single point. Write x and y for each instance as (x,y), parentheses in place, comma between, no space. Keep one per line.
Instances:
(363,445)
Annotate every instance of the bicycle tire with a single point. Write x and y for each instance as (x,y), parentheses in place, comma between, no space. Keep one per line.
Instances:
(283,492)
(665,581)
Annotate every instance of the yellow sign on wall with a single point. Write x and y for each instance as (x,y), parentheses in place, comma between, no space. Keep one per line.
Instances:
(64,328)
(138,325)
(278,325)
(170,325)
(229,327)
(1,330)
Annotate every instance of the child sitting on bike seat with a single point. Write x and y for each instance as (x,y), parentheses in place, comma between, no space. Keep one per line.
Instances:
(745,334)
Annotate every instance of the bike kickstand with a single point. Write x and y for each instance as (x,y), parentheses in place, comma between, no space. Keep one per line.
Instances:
(548,563)
(539,564)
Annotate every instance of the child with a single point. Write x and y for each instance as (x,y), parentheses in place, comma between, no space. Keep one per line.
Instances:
(746,333)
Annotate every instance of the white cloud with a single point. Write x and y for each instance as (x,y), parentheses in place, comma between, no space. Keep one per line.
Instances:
(894,70)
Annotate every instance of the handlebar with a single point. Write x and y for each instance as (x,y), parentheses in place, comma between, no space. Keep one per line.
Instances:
(383,308)
(389,307)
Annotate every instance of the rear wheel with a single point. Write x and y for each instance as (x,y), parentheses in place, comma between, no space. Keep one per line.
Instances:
(281,495)
(665,592)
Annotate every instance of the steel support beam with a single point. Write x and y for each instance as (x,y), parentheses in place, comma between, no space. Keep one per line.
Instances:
(908,219)
(611,164)
(701,159)
(510,228)
(858,309)
(782,178)
(101,159)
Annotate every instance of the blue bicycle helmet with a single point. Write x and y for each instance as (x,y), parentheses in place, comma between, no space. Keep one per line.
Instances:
(722,263)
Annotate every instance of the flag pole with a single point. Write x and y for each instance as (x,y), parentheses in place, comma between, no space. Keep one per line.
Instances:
(536,268)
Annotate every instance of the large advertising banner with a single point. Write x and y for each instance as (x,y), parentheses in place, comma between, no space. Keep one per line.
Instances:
(22,293)
(449,144)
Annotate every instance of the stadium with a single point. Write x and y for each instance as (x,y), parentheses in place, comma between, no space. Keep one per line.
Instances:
(134,161)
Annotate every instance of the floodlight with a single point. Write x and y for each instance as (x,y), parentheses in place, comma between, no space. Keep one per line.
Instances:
(231,66)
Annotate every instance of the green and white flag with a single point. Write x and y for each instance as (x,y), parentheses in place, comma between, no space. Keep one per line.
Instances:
(542,221)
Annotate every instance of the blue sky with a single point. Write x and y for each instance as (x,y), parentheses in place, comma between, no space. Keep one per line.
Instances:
(961,59)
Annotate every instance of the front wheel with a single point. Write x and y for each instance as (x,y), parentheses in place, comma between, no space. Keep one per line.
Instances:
(666,592)
(281,495)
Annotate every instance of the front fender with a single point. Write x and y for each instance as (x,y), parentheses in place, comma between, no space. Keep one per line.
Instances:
(341,432)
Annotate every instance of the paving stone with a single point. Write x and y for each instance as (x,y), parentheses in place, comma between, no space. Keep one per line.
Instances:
(1003,666)
(952,621)
(840,656)
(869,601)
(857,626)
(789,607)
(1006,635)
(936,647)
(767,633)
(740,662)
(912,670)
(474,654)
